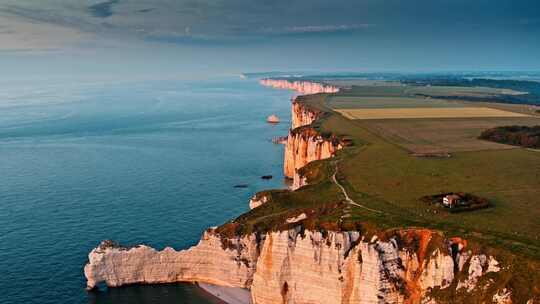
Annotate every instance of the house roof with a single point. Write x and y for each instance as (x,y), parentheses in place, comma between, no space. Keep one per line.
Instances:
(453,197)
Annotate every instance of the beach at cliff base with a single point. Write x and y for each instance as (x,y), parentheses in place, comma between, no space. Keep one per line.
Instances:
(230,295)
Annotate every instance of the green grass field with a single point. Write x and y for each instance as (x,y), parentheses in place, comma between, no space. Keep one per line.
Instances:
(432,125)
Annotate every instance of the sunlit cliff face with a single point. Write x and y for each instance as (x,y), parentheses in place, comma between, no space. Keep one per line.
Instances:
(306,267)
(300,86)
(304,146)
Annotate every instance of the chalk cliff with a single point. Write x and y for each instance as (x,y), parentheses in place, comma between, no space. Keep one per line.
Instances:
(300,86)
(301,266)
(295,155)
(299,181)
(210,261)
(258,200)
(302,115)
(305,145)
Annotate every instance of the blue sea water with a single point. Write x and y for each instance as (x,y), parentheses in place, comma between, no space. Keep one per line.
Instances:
(150,162)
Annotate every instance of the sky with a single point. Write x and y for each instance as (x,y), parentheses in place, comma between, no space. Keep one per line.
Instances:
(178,38)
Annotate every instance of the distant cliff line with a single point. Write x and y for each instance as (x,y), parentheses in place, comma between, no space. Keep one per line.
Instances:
(300,86)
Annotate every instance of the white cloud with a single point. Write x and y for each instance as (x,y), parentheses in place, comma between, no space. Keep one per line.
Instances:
(317,28)
(58,22)
(18,34)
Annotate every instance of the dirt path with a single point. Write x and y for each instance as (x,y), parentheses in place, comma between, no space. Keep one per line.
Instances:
(347,198)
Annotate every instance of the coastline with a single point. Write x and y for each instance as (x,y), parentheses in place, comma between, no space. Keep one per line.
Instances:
(276,266)
(229,295)
(239,295)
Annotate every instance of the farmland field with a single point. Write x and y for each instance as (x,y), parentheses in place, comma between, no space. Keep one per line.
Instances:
(421,124)
(384,102)
(460,91)
(392,89)
(442,135)
(417,112)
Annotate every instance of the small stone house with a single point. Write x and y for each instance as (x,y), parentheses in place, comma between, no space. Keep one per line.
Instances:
(451,200)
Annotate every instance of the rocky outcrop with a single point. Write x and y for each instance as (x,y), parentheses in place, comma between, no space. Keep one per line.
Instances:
(213,260)
(305,145)
(296,266)
(300,86)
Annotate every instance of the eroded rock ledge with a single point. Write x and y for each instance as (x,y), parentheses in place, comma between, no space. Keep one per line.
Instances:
(301,266)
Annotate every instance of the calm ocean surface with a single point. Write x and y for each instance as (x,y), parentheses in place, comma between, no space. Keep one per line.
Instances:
(149,162)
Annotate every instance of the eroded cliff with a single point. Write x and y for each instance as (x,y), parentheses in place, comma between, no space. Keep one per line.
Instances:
(302,115)
(302,266)
(210,261)
(305,145)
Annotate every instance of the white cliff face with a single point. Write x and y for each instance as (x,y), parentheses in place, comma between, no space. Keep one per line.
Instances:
(257,200)
(206,262)
(302,115)
(299,181)
(478,266)
(437,271)
(300,86)
(291,267)
(304,146)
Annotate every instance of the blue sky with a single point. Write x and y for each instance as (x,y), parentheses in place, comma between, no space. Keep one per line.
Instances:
(75,38)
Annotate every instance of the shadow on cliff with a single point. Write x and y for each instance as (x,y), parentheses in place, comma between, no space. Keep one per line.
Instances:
(151,294)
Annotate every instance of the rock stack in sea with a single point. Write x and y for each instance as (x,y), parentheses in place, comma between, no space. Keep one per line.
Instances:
(272,119)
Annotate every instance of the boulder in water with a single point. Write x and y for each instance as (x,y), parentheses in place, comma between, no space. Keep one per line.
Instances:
(272,119)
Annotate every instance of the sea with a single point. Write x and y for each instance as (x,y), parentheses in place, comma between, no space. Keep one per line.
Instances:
(143,161)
